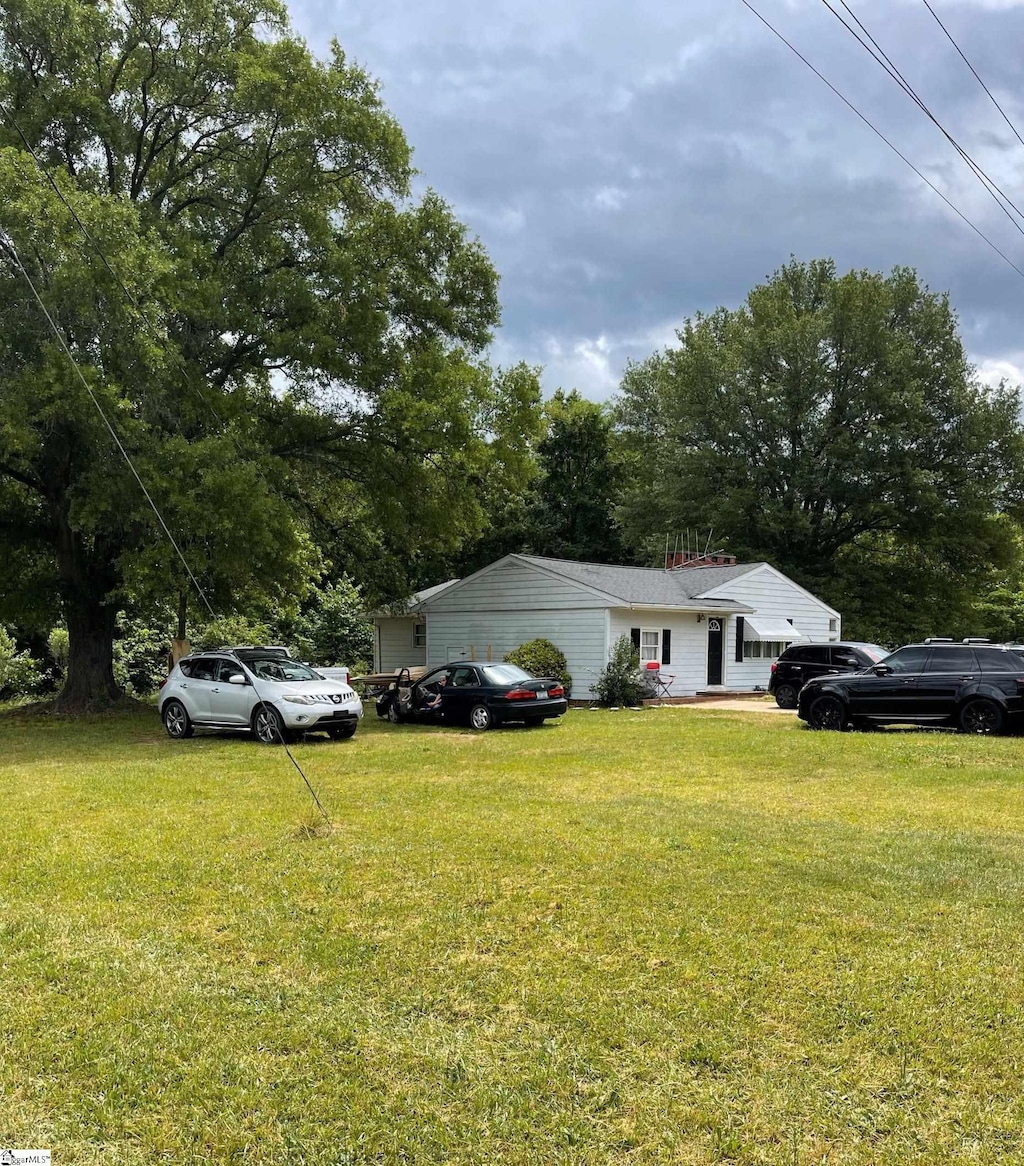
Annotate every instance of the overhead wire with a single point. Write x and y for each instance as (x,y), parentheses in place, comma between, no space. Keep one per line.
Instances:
(93,242)
(16,261)
(878,133)
(878,54)
(992,98)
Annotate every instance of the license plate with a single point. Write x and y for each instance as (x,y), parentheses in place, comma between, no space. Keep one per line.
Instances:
(542,694)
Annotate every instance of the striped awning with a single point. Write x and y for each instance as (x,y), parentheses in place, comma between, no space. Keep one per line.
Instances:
(766,627)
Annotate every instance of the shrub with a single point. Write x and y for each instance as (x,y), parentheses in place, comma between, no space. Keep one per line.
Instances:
(58,645)
(621,682)
(332,627)
(229,630)
(140,655)
(20,675)
(542,658)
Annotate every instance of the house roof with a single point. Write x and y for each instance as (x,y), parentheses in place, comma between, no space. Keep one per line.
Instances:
(647,586)
(430,592)
(412,606)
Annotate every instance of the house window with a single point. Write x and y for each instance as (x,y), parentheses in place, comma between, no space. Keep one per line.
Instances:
(419,635)
(833,625)
(650,645)
(763,649)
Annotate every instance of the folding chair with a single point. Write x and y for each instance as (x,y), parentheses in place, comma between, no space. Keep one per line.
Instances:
(656,683)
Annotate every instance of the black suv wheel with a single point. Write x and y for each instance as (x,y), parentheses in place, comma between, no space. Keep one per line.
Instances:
(982,717)
(827,712)
(786,696)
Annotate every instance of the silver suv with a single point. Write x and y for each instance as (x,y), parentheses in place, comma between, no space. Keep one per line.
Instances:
(260,690)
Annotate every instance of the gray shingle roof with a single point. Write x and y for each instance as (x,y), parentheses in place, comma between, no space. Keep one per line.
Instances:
(647,585)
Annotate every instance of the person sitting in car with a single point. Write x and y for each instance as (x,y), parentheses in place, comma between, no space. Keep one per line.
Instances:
(433,701)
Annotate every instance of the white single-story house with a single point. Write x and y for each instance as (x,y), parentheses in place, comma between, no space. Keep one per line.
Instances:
(708,621)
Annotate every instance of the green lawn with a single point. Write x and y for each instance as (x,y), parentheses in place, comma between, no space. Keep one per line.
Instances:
(668,936)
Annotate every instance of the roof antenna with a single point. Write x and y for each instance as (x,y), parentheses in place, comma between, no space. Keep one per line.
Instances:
(708,546)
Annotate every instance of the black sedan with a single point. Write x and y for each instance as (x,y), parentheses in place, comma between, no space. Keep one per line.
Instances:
(474,692)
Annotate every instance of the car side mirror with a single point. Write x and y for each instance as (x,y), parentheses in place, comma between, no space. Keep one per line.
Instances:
(237,678)
(881,670)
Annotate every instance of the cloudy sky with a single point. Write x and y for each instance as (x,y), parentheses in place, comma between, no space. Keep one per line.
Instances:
(629,164)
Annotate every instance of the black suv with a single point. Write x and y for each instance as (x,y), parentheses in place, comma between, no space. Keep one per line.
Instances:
(974,686)
(802,662)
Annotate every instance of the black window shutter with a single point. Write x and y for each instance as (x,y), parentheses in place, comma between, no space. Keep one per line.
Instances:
(635,635)
(741,624)
(666,645)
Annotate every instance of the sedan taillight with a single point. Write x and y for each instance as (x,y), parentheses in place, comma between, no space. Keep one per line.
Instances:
(520,694)
(556,690)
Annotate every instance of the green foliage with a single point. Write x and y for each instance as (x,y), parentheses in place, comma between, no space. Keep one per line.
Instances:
(57,645)
(832,426)
(332,628)
(998,611)
(230,631)
(571,514)
(542,658)
(20,675)
(256,203)
(621,682)
(140,655)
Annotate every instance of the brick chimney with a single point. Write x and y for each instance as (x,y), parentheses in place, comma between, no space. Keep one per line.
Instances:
(680,560)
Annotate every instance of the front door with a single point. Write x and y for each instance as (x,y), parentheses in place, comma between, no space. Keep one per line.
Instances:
(715,639)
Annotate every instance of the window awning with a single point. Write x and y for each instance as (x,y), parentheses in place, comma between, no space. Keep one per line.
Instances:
(766,627)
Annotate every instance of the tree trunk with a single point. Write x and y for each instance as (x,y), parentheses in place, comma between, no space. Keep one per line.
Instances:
(88,577)
(90,682)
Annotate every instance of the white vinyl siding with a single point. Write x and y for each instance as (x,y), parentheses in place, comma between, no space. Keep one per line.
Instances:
(394,644)
(687,665)
(580,635)
(774,596)
(503,606)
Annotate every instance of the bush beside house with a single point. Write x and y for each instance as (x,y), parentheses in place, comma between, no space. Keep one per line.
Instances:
(621,682)
(542,658)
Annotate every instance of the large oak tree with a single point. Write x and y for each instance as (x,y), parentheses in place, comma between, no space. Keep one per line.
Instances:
(285,339)
(833,426)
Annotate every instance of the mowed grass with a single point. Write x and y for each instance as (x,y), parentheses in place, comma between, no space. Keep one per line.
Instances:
(671,936)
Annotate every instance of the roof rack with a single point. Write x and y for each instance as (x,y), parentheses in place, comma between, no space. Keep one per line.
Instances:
(976,640)
(939,640)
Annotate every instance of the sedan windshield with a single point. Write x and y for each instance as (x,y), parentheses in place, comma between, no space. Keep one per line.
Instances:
(279,668)
(875,652)
(506,674)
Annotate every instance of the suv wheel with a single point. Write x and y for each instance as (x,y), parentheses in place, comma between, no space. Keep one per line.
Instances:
(786,696)
(177,721)
(982,716)
(827,712)
(268,725)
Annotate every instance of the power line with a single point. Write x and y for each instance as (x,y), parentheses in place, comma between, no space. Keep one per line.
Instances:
(12,250)
(128,294)
(9,242)
(875,130)
(974,71)
(878,54)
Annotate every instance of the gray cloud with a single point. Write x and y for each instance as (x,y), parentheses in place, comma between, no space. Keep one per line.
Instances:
(627,166)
